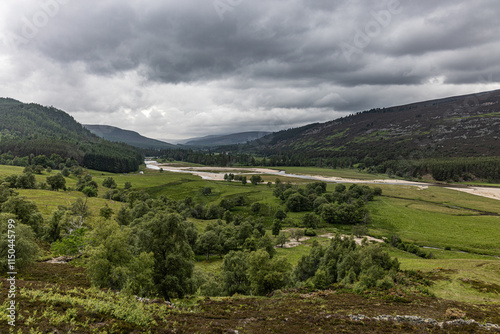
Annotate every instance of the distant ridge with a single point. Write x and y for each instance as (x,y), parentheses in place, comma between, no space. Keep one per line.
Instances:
(133,138)
(230,139)
(457,126)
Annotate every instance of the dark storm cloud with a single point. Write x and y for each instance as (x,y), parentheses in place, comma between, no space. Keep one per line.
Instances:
(241,58)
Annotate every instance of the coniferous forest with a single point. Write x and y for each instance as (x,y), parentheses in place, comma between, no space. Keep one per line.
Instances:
(31,130)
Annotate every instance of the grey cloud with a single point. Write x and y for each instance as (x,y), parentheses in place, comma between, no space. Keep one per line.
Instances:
(181,42)
(282,60)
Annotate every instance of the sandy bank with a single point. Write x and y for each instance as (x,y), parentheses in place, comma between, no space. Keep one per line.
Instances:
(493,193)
(211,173)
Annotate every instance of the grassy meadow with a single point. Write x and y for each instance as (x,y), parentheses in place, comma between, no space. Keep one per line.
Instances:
(467,226)
(461,231)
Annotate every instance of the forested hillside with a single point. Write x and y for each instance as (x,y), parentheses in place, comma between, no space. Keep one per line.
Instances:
(32,130)
(231,139)
(442,137)
(462,126)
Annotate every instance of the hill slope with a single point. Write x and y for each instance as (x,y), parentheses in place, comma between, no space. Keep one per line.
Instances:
(28,130)
(133,138)
(230,139)
(461,126)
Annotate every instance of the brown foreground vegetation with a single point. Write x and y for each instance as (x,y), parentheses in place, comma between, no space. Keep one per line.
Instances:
(285,312)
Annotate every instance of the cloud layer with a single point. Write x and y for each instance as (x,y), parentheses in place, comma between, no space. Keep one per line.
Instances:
(177,69)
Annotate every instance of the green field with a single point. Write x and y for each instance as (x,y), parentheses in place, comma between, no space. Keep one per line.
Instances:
(329,172)
(461,231)
(438,217)
(433,217)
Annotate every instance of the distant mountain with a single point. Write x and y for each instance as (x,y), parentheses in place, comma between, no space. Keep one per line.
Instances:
(30,130)
(230,139)
(460,126)
(115,134)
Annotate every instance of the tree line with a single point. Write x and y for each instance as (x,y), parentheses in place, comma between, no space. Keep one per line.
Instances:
(448,169)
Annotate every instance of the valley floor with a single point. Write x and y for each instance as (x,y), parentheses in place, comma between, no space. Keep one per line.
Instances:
(461,230)
(217,174)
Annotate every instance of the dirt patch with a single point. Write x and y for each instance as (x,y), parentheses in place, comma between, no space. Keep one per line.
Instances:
(295,243)
(358,240)
(60,259)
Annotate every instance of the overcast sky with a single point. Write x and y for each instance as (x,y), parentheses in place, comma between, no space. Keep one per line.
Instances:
(187,68)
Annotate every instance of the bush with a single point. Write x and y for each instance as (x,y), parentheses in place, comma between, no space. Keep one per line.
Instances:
(296,233)
(73,244)
(26,212)
(360,267)
(90,191)
(396,242)
(385,283)
(310,232)
(266,274)
(106,212)
(256,207)
(109,183)
(65,172)
(25,246)
(234,273)
(296,202)
(56,182)
(115,263)
(25,181)
(310,220)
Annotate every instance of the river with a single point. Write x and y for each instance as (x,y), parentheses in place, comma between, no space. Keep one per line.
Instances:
(209,173)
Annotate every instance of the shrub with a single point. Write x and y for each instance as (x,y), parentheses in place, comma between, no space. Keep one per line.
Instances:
(310,232)
(109,182)
(234,273)
(66,172)
(310,220)
(56,182)
(90,191)
(256,207)
(266,274)
(73,244)
(361,267)
(26,249)
(106,212)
